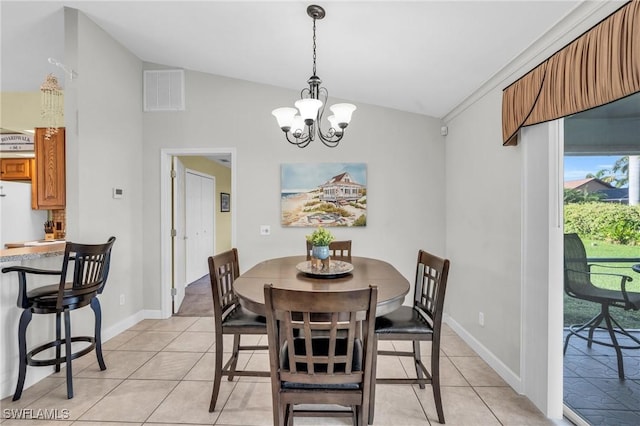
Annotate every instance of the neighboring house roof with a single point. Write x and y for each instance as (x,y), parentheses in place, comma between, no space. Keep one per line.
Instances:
(588,184)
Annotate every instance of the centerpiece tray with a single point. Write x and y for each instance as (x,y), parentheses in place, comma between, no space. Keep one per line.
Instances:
(337,268)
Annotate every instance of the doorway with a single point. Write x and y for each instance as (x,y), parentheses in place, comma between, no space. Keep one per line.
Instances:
(167,231)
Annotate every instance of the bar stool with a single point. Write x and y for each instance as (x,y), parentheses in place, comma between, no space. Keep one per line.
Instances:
(90,266)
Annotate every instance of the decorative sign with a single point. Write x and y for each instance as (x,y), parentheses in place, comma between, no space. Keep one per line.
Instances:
(327,194)
(16,142)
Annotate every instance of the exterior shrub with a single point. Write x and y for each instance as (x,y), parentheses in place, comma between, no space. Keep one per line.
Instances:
(616,223)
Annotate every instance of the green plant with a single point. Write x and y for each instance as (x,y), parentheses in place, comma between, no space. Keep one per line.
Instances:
(320,237)
(617,223)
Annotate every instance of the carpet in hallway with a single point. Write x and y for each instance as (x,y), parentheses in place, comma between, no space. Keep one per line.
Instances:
(198,301)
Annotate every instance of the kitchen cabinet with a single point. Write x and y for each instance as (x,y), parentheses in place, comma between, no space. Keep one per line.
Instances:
(16,168)
(48,185)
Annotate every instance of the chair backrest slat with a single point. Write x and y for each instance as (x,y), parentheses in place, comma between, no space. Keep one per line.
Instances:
(338,250)
(430,286)
(320,331)
(224,268)
(90,268)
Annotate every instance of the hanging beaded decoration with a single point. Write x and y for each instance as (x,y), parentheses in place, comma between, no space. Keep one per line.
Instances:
(52,103)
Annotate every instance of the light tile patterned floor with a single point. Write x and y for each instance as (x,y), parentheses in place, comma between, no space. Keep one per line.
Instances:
(160,372)
(591,385)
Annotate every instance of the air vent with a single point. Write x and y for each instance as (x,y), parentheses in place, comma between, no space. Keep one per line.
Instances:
(164,90)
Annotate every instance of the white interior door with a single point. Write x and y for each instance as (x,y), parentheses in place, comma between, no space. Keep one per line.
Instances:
(207,240)
(179,241)
(199,228)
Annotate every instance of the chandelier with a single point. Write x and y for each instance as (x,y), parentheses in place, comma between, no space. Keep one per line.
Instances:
(300,124)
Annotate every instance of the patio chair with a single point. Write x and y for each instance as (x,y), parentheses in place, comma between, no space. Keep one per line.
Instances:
(578,284)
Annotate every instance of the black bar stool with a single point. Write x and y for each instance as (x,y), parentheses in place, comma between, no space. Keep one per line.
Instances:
(90,266)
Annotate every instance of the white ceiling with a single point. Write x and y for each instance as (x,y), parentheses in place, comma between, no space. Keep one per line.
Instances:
(418,56)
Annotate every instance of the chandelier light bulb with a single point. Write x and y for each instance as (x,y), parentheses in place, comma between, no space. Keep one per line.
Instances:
(309,109)
(343,113)
(334,124)
(284,116)
(297,126)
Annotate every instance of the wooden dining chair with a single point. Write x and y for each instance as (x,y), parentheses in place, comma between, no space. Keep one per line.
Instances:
(89,267)
(338,250)
(322,359)
(231,318)
(420,322)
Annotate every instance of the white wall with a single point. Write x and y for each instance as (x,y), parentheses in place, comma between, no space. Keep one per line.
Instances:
(405,172)
(483,230)
(103,117)
(485,194)
(103,113)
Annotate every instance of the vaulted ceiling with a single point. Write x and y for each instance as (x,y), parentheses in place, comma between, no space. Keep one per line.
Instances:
(424,57)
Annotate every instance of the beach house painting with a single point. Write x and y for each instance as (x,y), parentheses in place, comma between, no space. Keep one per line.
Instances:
(327,194)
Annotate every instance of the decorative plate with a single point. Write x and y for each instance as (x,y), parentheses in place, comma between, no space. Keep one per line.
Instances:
(337,268)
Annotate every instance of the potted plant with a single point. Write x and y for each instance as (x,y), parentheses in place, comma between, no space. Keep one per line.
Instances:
(320,239)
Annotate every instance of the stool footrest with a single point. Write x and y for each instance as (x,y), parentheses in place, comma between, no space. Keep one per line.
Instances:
(56,343)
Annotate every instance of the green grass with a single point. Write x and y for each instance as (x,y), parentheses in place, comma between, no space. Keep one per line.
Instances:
(578,311)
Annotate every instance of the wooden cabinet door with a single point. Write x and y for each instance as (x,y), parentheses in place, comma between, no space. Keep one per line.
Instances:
(49,183)
(15,169)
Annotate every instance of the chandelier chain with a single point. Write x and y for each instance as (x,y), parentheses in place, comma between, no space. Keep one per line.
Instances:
(314,46)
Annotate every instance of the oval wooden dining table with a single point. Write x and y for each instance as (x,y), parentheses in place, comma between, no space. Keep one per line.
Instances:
(282,272)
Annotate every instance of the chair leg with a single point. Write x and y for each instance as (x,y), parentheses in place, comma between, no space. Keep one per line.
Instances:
(67,340)
(59,342)
(234,356)
(372,391)
(616,346)
(217,376)
(596,322)
(95,305)
(417,361)
(435,383)
(25,319)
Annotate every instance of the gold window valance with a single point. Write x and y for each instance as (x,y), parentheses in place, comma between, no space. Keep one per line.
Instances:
(599,67)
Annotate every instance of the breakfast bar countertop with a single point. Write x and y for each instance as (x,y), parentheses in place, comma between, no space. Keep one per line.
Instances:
(31,250)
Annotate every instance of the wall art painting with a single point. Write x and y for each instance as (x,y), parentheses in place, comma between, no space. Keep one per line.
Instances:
(327,194)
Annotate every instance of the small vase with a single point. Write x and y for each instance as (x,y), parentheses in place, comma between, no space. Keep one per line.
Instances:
(320,252)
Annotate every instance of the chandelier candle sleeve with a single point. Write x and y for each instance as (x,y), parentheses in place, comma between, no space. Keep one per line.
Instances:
(302,124)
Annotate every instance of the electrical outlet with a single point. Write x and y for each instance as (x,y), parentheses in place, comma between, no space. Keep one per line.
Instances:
(481,319)
(121,299)
(265,230)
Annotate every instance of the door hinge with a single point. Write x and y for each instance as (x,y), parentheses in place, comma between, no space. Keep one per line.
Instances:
(174,232)
(173,174)
(174,292)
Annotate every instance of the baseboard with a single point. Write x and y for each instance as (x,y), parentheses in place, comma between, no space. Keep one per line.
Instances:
(503,371)
(34,375)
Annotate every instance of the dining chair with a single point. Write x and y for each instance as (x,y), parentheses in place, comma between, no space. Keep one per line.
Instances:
(578,283)
(338,250)
(231,319)
(89,267)
(317,355)
(420,322)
